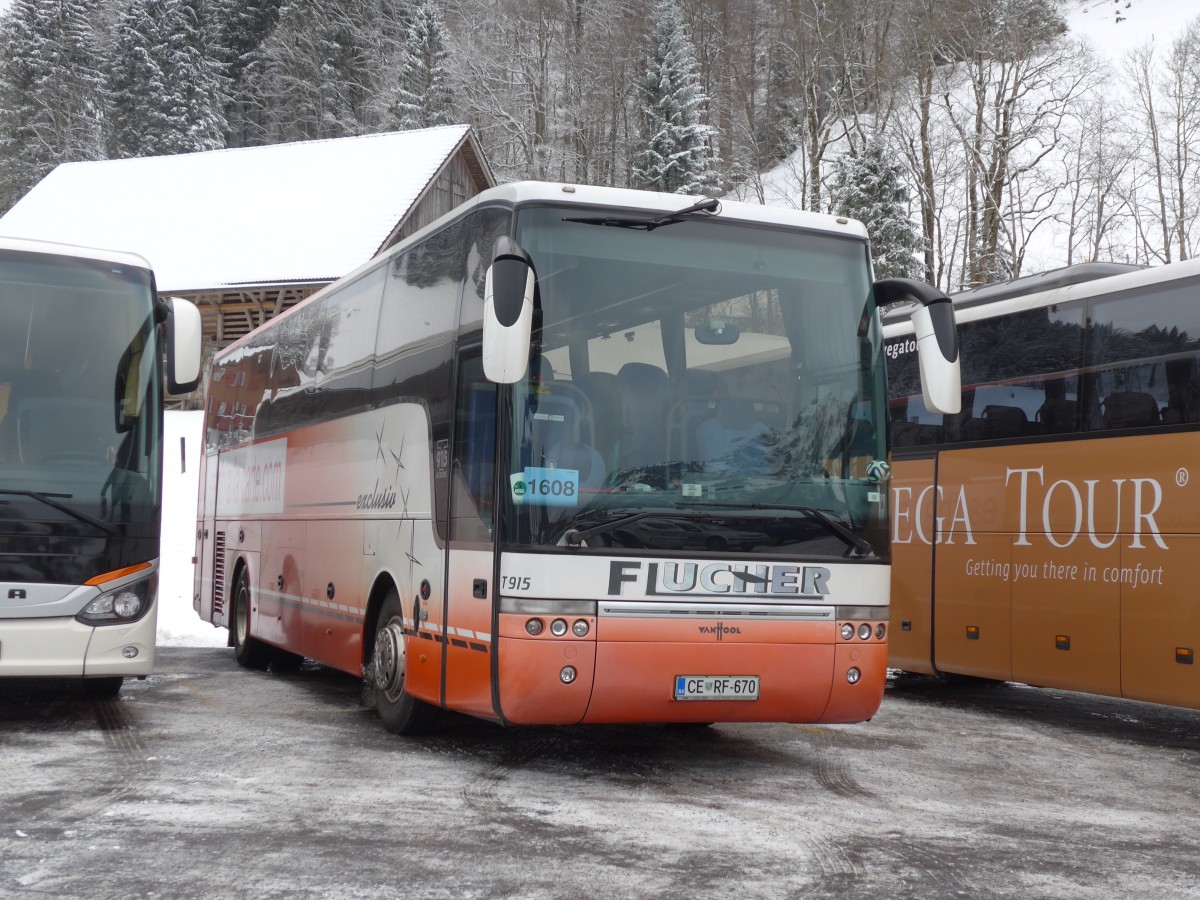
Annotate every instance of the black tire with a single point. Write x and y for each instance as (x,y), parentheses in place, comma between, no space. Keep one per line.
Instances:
(250,652)
(399,712)
(103,688)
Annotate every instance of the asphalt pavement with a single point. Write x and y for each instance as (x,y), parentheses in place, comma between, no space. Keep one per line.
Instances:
(207,781)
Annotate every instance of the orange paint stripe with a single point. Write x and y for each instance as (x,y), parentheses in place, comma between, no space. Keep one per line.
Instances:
(119,573)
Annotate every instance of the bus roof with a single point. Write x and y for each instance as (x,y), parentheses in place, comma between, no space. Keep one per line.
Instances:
(521,192)
(1056,286)
(51,248)
(527,192)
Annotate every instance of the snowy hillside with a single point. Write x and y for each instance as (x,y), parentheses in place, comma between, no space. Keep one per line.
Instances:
(1088,163)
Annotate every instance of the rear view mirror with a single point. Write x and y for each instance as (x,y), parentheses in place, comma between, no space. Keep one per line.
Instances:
(717,332)
(508,295)
(937,340)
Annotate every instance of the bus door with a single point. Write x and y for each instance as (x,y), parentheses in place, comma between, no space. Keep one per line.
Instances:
(910,642)
(471,554)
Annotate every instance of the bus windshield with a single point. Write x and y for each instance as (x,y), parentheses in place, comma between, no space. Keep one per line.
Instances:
(703,385)
(80,400)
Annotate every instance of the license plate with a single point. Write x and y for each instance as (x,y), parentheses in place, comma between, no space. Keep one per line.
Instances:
(716,687)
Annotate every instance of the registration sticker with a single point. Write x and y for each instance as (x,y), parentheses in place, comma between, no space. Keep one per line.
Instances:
(541,486)
(716,687)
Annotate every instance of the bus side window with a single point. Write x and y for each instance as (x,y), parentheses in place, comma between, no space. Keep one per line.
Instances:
(474,458)
(1144,351)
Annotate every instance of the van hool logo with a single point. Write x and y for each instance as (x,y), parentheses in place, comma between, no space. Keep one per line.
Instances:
(720,630)
(378,499)
(1135,500)
(689,579)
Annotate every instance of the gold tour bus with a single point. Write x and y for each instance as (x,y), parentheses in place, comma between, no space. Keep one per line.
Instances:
(1049,532)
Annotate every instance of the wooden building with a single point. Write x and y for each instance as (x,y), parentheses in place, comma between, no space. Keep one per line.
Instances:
(248,232)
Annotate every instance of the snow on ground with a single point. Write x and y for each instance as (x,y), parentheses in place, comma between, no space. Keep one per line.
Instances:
(178,623)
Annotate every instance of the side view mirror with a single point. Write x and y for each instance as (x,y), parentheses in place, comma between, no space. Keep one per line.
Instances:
(507,313)
(183,346)
(936,333)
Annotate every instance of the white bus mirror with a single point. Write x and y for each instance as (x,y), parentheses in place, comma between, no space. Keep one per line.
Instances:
(183,346)
(507,313)
(937,340)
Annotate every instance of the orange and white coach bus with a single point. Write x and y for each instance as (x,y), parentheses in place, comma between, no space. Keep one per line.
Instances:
(1050,532)
(571,454)
(83,341)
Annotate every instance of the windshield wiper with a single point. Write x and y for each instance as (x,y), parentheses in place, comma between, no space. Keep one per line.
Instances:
(574,537)
(836,528)
(709,205)
(52,501)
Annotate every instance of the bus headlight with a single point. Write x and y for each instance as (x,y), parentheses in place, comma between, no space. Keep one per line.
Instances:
(853,675)
(126,604)
(864,631)
(847,631)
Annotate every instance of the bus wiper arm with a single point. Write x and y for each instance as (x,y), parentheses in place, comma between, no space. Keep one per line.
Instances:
(836,528)
(709,205)
(52,501)
(574,537)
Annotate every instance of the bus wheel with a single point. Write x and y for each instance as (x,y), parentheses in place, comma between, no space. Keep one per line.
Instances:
(399,712)
(248,651)
(102,688)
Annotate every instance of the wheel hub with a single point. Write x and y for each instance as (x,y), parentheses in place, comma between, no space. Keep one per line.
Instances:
(243,619)
(389,658)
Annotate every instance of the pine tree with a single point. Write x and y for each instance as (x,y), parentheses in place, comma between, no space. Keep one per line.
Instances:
(166,81)
(675,155)
(324,66)
(869,187)
(776,137)
(244,26)
(422,96)
(52,104)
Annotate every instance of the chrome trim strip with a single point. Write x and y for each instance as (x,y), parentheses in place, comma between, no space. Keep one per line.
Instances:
(858,613)
(775,612)
(529,606)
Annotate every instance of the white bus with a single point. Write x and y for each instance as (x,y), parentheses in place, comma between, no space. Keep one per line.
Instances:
(570,454)
(82,338)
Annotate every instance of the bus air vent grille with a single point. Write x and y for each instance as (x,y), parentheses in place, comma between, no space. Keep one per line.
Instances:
(218,607)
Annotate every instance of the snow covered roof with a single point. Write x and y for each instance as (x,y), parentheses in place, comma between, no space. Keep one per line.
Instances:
(284,213)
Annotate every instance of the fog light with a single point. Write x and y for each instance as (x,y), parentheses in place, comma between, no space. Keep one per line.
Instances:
(864,631)
(847,631)
(558,627)
(853,675)
(580,628)
(129,652)
(534,626)
(880,630)
(567,675)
